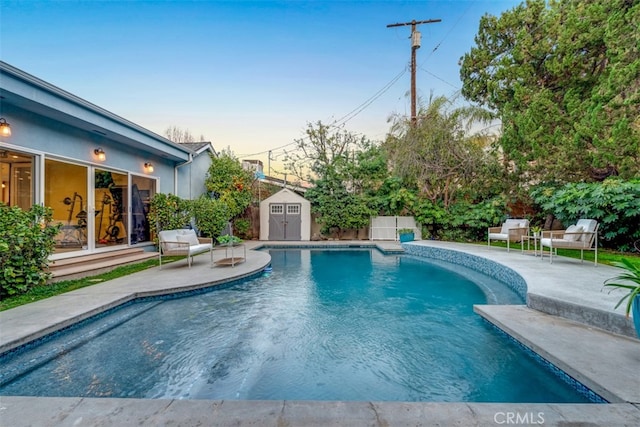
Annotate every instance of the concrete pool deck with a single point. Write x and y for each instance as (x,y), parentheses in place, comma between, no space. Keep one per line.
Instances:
(569,303)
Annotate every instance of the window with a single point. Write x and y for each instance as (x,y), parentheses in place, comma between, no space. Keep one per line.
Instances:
(293,209)
(16,174)
(277,209)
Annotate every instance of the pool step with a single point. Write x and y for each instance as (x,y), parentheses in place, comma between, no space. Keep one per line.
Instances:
(94,264)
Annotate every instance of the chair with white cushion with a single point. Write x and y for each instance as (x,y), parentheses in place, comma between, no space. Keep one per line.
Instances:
(583,235)
(183,242)
(511,231)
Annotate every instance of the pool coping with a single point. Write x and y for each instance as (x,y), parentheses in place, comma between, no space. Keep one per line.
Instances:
(92,411)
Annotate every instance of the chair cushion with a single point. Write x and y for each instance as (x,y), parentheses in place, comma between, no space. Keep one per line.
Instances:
(510,223)
(588,225)
(190,238)
(573,237)
(169,236)
(498,236)
(199,248)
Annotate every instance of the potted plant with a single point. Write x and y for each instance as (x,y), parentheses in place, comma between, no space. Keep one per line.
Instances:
(536,230)
(228,240)
(406,234)
(629,280)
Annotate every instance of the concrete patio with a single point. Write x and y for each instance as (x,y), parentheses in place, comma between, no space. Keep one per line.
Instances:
(569,321)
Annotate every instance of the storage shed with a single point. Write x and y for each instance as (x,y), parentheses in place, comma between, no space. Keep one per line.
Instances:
(285,216)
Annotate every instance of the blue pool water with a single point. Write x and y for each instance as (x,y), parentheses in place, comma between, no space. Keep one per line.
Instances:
(322,325)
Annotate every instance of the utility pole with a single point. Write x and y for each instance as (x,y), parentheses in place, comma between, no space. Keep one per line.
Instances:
(415,45)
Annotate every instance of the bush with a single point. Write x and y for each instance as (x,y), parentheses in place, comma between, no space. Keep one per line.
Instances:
(241,226)
(614,203)
(168,212)
(463,221)
(211,215)
(26,241)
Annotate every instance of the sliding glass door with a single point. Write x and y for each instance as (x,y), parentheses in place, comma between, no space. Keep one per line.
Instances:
(97,208)
(142,191)
(111,195)
(65,191)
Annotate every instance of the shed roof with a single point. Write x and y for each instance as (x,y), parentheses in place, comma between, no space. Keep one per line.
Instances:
(283,194)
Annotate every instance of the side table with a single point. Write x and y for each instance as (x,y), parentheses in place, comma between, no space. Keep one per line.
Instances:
(233,259)
(535,237)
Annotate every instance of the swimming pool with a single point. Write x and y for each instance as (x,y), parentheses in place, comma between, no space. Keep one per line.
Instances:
(323,325)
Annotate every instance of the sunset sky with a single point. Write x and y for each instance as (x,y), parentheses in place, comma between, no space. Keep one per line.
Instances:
(248,75)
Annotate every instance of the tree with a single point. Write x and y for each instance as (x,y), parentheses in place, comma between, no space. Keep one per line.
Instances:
(436,155)
(564,78)
(324,147)
(341,166)
(228,182)
(179,135)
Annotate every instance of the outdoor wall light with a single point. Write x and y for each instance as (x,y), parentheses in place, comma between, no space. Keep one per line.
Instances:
(148,167)
(5,128)
(102,156)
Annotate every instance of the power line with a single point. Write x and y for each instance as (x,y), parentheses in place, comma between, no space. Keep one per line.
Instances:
(266,151)
(439,78)
(353,113)
(455,24)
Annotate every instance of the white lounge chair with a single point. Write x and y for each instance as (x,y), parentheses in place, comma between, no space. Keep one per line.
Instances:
(511,231)
(583,236)
(183,242)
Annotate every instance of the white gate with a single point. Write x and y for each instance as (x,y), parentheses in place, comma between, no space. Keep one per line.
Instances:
(386,227)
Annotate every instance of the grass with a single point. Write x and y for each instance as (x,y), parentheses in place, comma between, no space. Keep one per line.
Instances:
(51,289)
(604,256)
(45,291)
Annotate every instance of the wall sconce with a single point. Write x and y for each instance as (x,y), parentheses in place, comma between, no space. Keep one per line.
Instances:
(102,156)
(148,167)
(5,128)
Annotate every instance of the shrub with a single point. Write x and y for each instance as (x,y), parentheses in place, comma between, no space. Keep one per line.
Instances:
(614,203)
(241,226)
(168,212)
(211,215)
(463,221)
(26,241)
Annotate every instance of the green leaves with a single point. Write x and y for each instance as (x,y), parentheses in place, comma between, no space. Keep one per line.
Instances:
(629,280)
(228,181)
(26,241)
(614,203)
(564,77)
(211,215)
(168,212)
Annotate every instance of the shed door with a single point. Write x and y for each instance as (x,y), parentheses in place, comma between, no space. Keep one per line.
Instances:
(285,221)
(293,222)
(276,221)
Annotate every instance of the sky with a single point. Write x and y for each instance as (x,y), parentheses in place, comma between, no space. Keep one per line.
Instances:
(245,75)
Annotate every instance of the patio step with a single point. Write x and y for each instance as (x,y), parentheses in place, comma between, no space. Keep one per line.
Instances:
(94,264)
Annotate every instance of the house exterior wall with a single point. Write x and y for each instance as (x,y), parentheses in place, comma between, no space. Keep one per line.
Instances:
(286,196)
(192,175)
(58,140)
(54,135)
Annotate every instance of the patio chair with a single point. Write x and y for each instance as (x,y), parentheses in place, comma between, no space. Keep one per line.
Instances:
(183,242)
(583,236)
(511,231)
